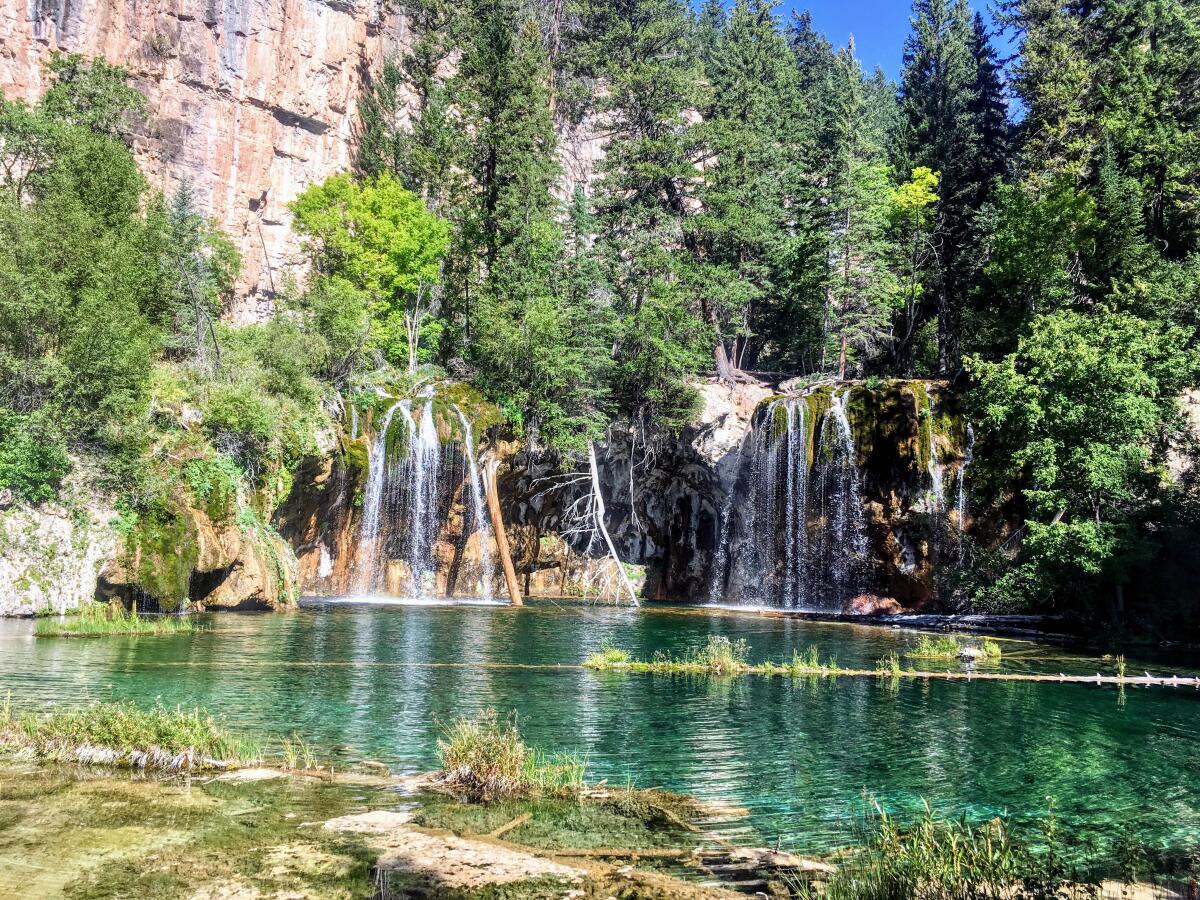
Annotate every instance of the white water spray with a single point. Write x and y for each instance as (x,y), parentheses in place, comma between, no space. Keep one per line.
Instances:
(366,575)
(478,509)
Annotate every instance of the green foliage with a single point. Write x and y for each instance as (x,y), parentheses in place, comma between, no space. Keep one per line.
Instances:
(377,239)
(934,859)
(101,620)
(485,760)
(33,456)
(1079,412)
(92,94)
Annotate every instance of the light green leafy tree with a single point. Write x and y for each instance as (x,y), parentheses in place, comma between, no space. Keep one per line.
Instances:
(379,238)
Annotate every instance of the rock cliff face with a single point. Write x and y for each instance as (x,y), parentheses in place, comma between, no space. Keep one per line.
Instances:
(50,555)
(250,100)
(203,562)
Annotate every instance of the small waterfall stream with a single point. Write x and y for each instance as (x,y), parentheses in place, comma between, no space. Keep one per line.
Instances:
(478,510)
(367,571)
(423,466)
(410,484)
(843,526)
(936,479)
(968,458)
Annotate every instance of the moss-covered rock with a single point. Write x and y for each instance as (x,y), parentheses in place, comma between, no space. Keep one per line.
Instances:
(177,556)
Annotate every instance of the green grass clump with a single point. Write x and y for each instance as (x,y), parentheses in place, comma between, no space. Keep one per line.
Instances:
(889,665)
(608,657)
(932,859)
(298,753)
(99,620)
(936,647)
(125,735)
(948,647)
(485,760)
(719,656)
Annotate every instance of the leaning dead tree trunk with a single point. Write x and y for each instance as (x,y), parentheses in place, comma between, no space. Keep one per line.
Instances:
(598,516)
(491,489)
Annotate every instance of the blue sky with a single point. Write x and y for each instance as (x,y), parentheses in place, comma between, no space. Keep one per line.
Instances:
(879,26)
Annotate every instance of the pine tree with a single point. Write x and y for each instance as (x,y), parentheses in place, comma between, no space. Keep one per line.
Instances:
(1053,79)
(862,289)
(640,50)
(710,23)
(743,227)
(950,97)
(529,341)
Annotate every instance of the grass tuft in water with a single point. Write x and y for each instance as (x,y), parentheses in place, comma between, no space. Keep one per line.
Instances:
(485,760)
(948,647)
(889,666)
(609,657)
(933,859)
(99,620)
(718,656)
(297,753)
(121,734)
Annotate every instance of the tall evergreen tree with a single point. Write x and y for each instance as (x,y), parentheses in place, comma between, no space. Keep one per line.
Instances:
(641,50)
(950,97)
(744,223)
(861,289)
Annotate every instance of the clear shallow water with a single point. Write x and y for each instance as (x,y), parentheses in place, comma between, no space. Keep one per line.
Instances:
(372,681)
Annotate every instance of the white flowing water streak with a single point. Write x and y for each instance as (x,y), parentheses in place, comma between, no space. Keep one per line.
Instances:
(843,538)
(720,563)
(424,463)
(756,559)
(367,569)
(353,422)
(968,457)
(795,537)
(936,480)
(478,509)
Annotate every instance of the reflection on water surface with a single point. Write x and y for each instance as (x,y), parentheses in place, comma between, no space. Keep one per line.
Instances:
(371,680)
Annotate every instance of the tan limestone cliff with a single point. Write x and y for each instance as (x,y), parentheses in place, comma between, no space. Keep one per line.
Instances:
(250,100)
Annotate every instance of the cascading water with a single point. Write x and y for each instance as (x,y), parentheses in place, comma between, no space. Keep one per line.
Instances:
(769,565)
(842,545)
(936,479)
(968,457)
(366,576)
(478,510)
(405,504)
(423,464)
(793,524)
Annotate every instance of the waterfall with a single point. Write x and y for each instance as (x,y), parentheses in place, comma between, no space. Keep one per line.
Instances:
(756,560)
(968,457)
(366,574)
(795,532)
(353,422)
(423,464)
(843,536)
(936,480)
(478,510)
(720,564)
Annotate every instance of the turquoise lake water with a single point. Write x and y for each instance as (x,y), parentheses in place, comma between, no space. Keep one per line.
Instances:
(361,680)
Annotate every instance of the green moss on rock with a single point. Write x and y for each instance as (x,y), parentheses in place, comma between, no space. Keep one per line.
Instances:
(161,552)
